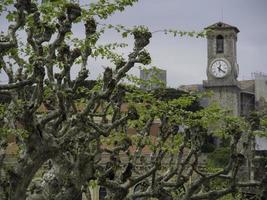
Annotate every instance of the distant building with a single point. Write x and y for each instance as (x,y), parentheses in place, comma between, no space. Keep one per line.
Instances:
(260,85)
(153,78)
(239,98)
(260,88)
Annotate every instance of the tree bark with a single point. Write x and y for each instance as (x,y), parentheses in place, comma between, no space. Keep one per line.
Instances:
(25,170)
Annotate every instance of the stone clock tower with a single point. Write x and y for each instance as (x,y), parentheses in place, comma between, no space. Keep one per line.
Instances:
(222,67)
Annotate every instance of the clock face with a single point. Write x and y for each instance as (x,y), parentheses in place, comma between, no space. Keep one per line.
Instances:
(219,69)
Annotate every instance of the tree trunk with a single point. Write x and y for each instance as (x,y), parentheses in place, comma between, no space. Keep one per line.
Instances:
(26,168)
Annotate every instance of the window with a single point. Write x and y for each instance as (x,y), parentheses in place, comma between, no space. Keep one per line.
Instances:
(219,44)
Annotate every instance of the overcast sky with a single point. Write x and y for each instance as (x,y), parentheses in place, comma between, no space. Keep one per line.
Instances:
(185,59)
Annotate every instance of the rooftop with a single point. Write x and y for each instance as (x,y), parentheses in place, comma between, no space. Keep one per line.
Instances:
(221,25)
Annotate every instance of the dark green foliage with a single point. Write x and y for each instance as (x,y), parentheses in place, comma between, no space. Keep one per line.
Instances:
(208,148)
(254,120)
(172,93)
(4,97)
(168,93)
(219,158)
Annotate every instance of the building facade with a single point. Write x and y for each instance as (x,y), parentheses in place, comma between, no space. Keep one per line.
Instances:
(153,78)
(240,98)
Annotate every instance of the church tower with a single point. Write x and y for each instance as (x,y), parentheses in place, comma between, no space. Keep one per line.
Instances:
(222,68)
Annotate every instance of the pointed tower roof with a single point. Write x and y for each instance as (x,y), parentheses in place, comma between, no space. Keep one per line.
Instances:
(221,25)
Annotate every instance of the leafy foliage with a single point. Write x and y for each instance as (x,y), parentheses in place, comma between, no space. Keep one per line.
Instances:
(105,132)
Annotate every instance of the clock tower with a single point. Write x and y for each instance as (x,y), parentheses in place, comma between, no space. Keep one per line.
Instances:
(222,68)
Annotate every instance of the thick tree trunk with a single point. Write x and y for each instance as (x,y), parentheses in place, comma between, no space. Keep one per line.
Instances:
(26,168)
(79,172)
(118,194)
(21,180)
(71,193)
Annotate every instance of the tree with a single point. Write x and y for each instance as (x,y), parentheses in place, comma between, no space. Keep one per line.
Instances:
(83,120)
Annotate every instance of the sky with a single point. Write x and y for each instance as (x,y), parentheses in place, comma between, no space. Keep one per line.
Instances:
(184,58)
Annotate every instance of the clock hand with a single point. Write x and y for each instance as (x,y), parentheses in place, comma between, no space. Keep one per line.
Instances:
(223,71)
(220,69)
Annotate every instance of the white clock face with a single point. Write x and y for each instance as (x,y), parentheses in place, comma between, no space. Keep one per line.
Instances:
(219,69)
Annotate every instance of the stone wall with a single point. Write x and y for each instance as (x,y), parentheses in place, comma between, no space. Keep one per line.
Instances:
(260,87)
(227,97)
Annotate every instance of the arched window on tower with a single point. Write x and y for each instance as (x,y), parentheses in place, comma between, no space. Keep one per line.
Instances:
(219,44)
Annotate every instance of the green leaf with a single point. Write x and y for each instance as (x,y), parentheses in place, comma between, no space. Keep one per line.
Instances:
(124,34)
(11,16)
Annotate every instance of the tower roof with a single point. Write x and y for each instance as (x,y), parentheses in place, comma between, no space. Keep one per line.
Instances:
(222,26)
